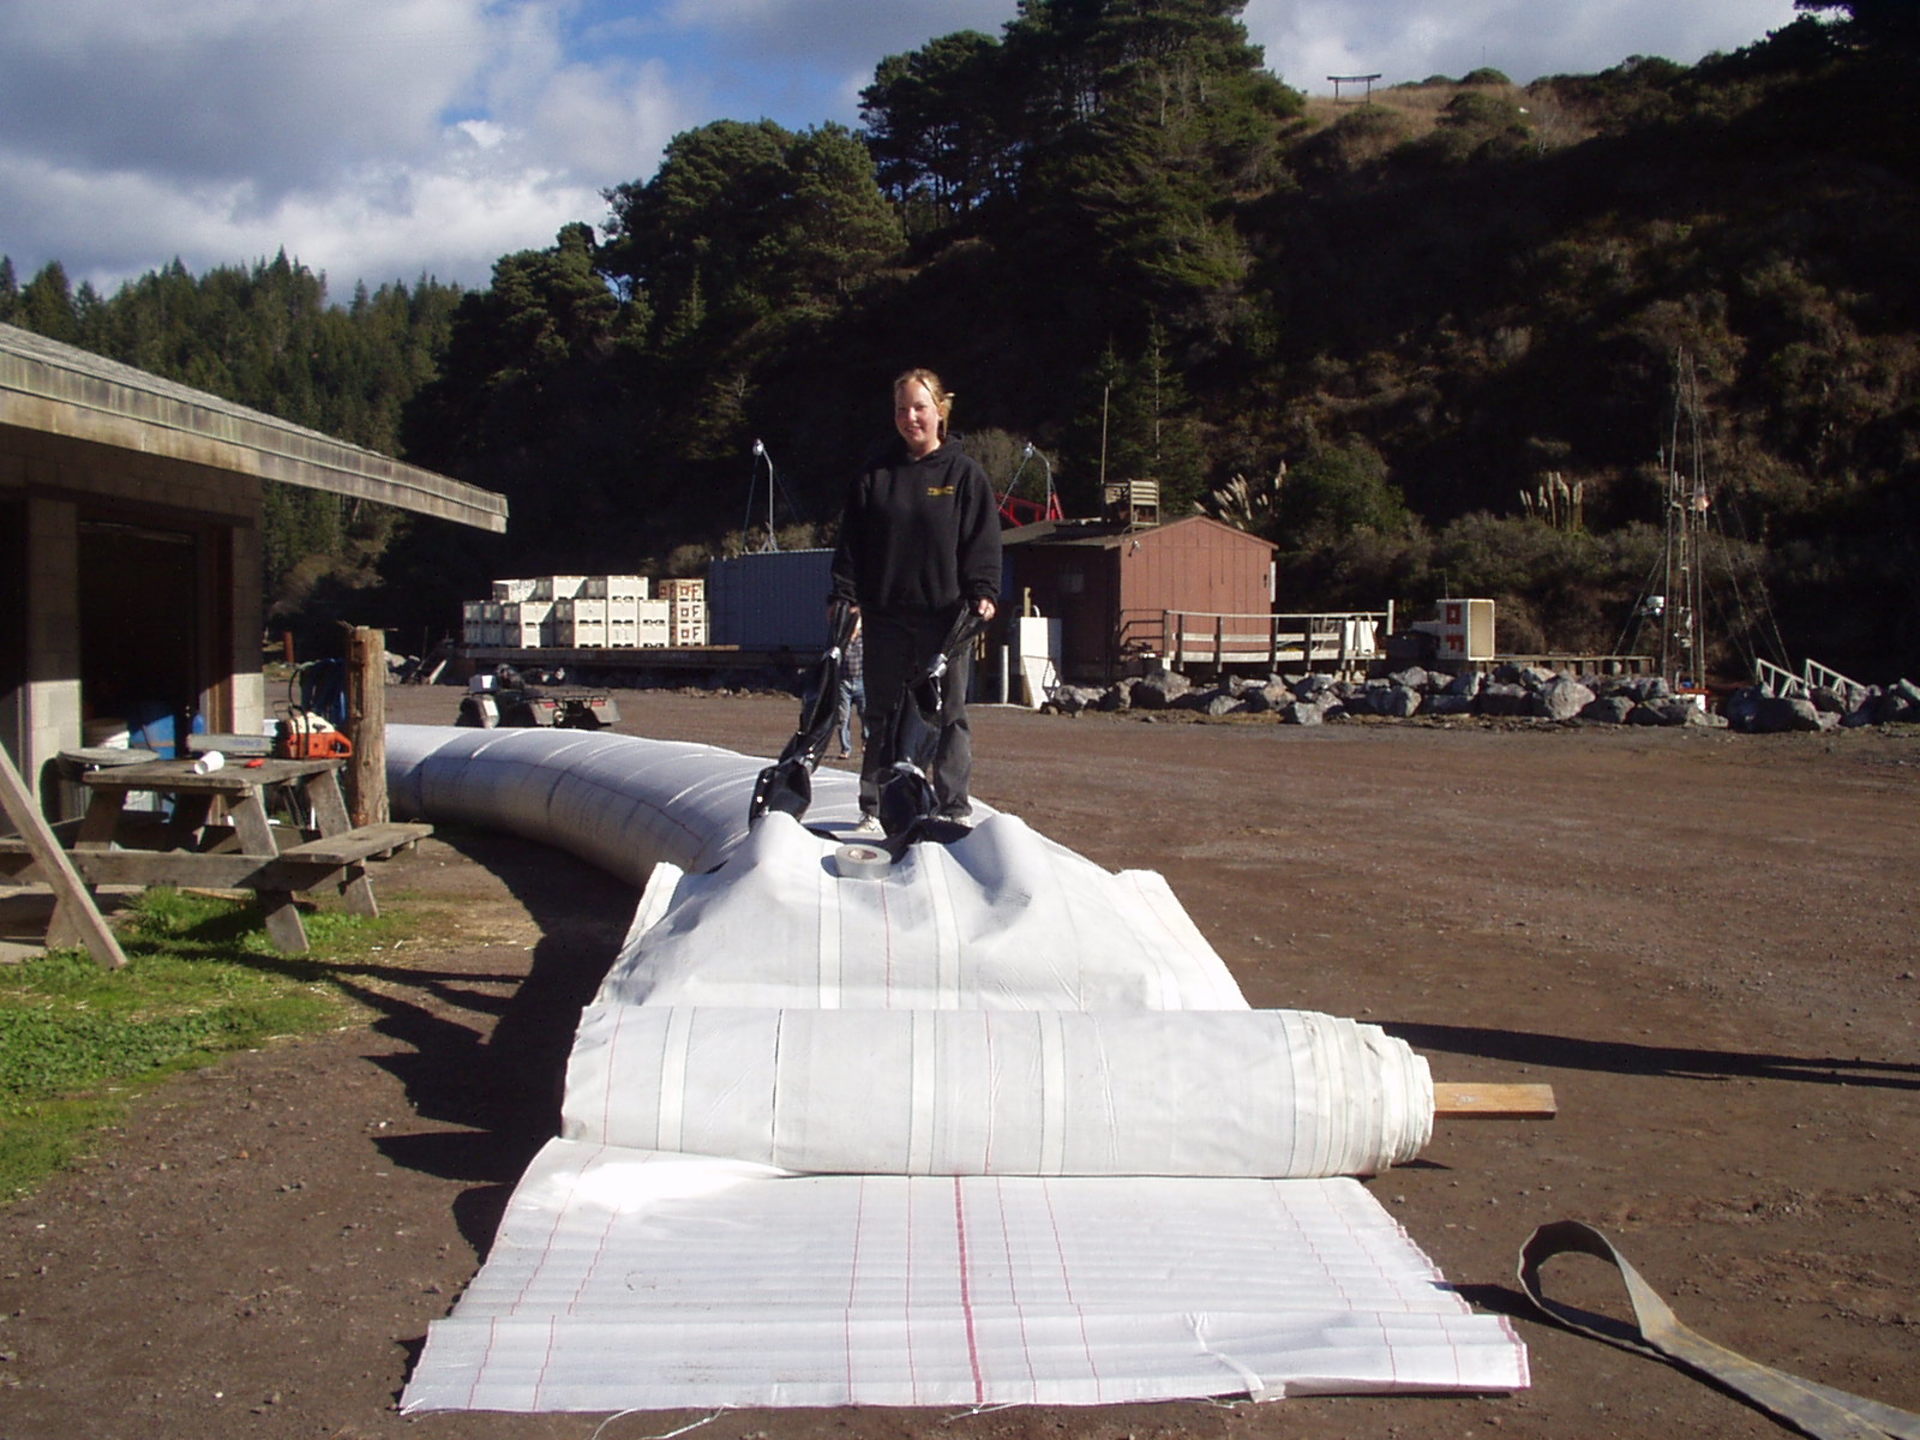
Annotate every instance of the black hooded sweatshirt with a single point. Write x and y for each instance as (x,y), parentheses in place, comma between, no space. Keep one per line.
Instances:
(918,535)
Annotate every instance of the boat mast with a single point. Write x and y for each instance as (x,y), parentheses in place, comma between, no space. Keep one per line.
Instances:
(1682,635)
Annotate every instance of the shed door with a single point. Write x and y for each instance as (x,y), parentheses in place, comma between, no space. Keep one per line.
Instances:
(140,616)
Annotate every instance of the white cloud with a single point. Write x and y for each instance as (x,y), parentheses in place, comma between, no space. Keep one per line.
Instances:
(381,138)
(369,138)
(1408,40)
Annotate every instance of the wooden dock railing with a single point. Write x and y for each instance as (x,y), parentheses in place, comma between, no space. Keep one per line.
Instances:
(1341,640)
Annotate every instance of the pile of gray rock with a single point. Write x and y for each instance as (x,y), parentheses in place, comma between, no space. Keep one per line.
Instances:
(1511,691)
(1757,710)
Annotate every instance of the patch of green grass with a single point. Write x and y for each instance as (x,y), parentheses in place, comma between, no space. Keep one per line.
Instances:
(78,1043)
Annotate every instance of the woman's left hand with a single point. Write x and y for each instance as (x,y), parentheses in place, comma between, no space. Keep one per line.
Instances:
(985,608)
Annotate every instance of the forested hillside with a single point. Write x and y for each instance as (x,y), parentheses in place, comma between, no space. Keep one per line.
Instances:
(1448,341)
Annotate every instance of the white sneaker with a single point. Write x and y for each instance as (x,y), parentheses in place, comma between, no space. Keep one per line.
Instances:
(869,828)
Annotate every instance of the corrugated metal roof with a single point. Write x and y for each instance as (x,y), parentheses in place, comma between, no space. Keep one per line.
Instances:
(58,389)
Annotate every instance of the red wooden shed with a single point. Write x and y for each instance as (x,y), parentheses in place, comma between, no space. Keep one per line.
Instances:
(1112,585)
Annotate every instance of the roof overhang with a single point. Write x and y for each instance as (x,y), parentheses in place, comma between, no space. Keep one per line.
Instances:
(57,389)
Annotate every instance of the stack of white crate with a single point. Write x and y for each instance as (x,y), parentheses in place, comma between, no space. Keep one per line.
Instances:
(623,595)
(650,623)
(687,612)
(588,612)
(580,624)
(620,589)
(526,624)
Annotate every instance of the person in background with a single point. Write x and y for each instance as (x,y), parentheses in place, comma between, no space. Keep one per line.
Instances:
(919,543)
(853,692)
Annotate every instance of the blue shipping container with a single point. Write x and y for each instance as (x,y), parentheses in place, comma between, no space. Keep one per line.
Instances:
(771,600)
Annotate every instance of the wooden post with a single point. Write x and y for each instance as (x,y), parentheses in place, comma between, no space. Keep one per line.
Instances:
(367,726)
(76,919)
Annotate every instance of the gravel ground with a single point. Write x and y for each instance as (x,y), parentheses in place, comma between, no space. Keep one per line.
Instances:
(1705,942)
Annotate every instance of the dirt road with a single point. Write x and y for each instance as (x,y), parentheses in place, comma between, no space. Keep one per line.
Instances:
(1706,943)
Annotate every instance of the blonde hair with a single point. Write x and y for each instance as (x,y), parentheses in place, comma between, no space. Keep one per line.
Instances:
(942,397)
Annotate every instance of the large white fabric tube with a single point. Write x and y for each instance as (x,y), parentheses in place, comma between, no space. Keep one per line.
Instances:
(618,802)
(1048,1092)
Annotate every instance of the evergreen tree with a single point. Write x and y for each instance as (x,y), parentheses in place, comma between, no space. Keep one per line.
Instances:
(46,305)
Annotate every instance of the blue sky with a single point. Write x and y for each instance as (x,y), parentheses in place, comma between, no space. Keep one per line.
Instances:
(384,139)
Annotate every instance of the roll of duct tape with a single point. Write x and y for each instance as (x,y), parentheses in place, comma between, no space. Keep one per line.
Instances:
(857,862)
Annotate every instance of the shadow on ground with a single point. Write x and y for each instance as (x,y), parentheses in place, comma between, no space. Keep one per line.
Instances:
(1567,1052)
(487,1046)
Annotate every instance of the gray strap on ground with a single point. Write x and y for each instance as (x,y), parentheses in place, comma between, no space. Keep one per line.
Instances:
(1815,1410)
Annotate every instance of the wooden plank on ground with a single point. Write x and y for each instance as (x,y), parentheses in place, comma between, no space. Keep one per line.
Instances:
(75,916)
(1459,1100)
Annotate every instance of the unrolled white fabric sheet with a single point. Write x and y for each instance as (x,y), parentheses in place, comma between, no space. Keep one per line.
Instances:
(628,1279)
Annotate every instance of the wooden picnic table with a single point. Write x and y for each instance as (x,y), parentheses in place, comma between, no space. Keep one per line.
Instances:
(114,846)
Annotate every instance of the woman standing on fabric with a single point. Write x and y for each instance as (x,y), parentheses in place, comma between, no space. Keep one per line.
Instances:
(919,543)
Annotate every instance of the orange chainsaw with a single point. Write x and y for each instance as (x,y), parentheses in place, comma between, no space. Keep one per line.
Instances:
(304,735)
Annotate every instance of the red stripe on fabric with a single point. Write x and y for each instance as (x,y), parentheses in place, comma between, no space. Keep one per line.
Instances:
(1013,1281)
(486,1358)
(966,1292)
(853,1283)
(913,1375)
(1066,1284)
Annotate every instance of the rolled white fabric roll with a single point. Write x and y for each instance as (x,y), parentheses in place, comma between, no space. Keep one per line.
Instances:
(1272,1093)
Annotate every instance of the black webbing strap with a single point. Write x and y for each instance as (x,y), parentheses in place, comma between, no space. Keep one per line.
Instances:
(1816,1410)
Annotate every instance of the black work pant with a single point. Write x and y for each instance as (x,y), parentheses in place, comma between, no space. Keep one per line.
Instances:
(900,645)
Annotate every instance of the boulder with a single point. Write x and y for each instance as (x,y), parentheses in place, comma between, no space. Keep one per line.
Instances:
(1394,700)
(1608,710)
(1264,699)
(1500,697)
(1787,712)
(1070,699)
(1674,710)
(1158,690)
(1561,698)
(1642,688)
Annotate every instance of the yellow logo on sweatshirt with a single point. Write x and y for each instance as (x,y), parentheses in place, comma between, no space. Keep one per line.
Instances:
(934,492)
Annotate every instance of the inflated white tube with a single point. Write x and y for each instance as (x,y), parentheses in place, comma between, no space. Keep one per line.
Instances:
(1051,1092)
(617,801)
(1001,918)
